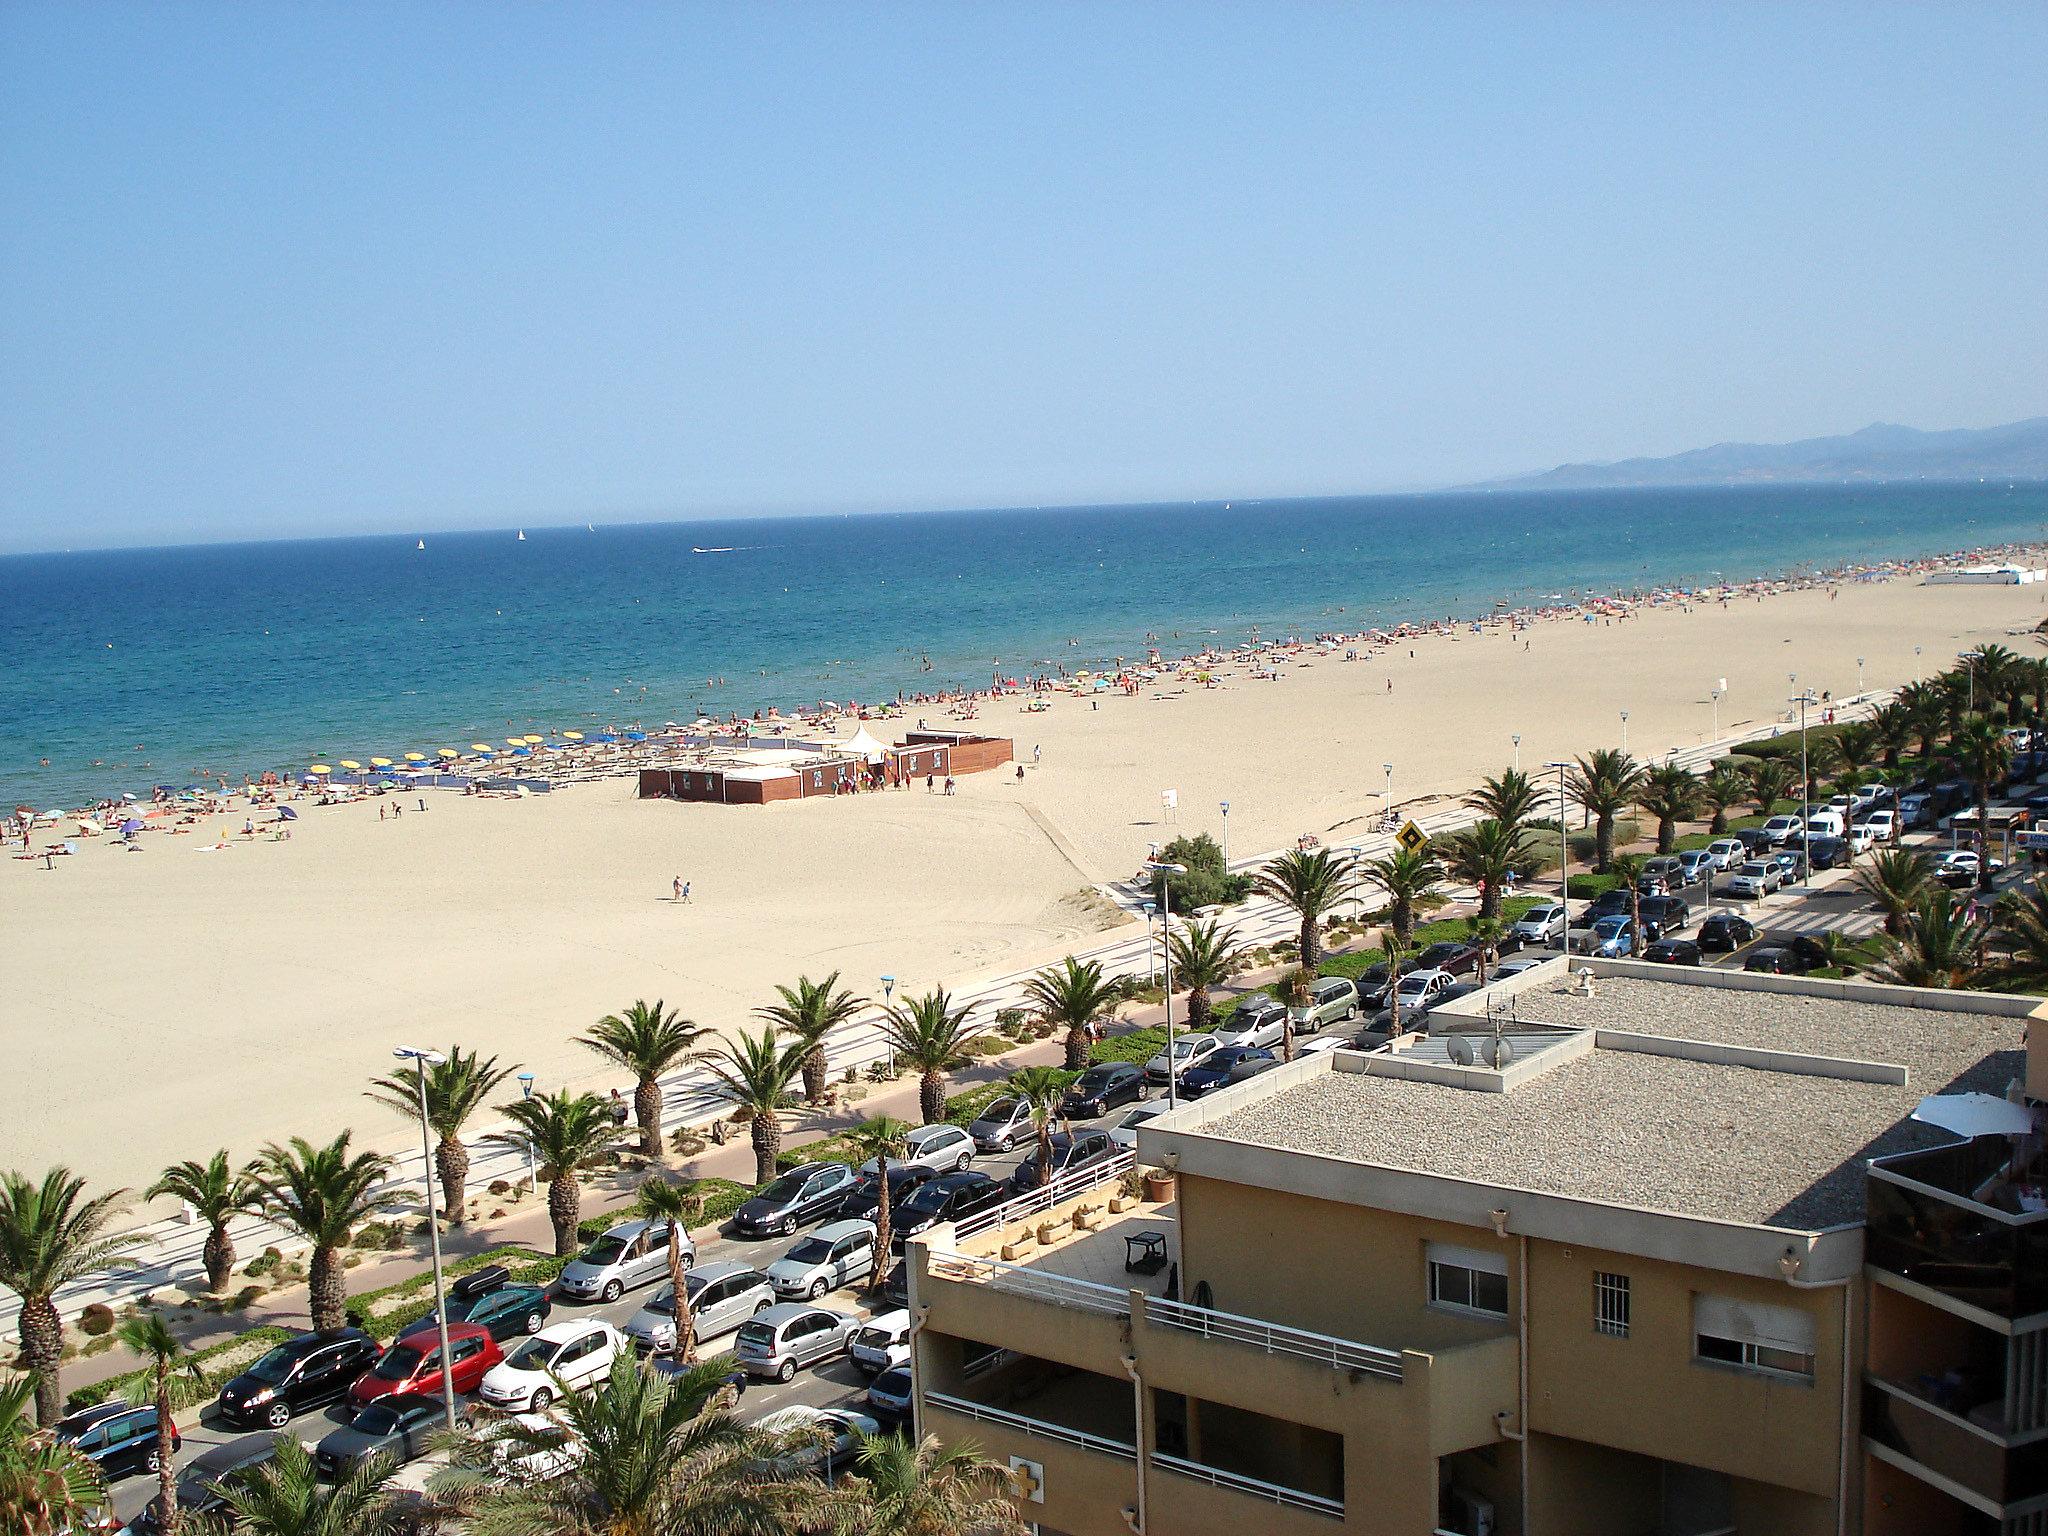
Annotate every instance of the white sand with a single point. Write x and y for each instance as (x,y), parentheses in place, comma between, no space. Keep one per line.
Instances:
(164,1003)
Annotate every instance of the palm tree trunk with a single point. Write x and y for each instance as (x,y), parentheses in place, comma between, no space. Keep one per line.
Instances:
(814,1074)
(1983,834)
(327,1297)
(218,1255)
(166,1473)
(1667,833)
(42,1346)
(686,1324)
(1199,1008)
(1719,824)
(1603,843)
(1077,1058)
(766,1131)
(451,1162)
(931,1091)
(880,1272)
(1489,900)
(1287,1035)
(1311,951)
(1045,1148)
(565,1205)
(647,1114)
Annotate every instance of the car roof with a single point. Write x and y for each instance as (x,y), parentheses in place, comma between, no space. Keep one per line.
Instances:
(631,1228)
(789,1311)
(832,1231)
(895,1317)
(98,1413)
(572,1328)
(963,1178)
(235,1453)
(725,1269)
(811,1168)
(927,1132)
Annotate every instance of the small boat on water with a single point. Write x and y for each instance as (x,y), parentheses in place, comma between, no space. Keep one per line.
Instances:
(717,549)
(522,535)
(421,545)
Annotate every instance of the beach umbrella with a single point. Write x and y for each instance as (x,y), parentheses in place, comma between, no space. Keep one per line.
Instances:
(415,757)
(320,768)
(522,751)
(351,765)
(380,762)
(515,741)
(636,735)
(479,746)
(446,752)
(572,735)
(533,741)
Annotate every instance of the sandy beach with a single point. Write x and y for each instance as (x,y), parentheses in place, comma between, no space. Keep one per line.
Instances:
(163,1003)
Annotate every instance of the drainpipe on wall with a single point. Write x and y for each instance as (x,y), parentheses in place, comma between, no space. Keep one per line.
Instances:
(1135,1519)
(1522,1240)
(1790,1264)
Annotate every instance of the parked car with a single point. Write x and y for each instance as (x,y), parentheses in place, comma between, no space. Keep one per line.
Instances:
(1331,1000)
(1957,868)
(837,1254)
(1373,983)
(1071,1152)
(1826,822)
(487,1297)
(1610,903)
(1217,1071)
(414,1364)
(575,1354)
(1188,1051)
(721,1295)
(1002,1125)
(949,1197)
(1674,952)
(1828,852)
(1448,955)
(1792,861)
(1663,915)
(1125,1132)
(1668,867)
(837,1433)
(1255,1021)
(1723,931)
(942,1148)
(1778,960)
(1695,865)
(1756,879)
(1727,852)
(1519,964)
(1101,1089)
(1420,990)
(1780,830)
(1613,938)
(896,1284)
(1544,923)
(1883,825)
(889,1395)
(631,1254)
(793,1334)
(866,1200)
(808,1192)
(1861,839)
(1916,810)
(201,1481)
(402,1428)
(118,1437)
(309,1371)
(883,1342)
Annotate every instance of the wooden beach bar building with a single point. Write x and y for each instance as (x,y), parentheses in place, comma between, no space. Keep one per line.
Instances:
(733,771)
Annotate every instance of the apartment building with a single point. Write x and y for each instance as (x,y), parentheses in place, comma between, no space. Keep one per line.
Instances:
(1588,1259)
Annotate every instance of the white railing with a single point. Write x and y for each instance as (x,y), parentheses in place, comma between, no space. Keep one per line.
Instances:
(986,1363)
(1063,1187)
(1258,1488)
(1037,1284)
(1029,1426)
(1275,1339)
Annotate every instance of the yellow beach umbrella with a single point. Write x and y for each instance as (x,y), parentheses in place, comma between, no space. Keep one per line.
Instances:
(380,762)
(533,741)
(515,741)
(415,757)
(572,735)
(350,764)
(479,746)
(319,768)
(446,752)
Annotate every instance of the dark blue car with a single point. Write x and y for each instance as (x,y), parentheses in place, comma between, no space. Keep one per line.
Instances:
(1223,1068)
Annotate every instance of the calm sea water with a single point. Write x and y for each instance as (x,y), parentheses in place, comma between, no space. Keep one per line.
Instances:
(137,667)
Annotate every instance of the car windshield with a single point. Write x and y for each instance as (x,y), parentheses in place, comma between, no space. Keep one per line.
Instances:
(1414,983)
(756,1334)
(274,1366)
(1183,1046)
(605,1250)
(399,1362)
(1613,924)
(377,1419)
(929,1197)
(1002,1109)
(784,1188)
(1092,1081)
(1138,1117)
(811,1250)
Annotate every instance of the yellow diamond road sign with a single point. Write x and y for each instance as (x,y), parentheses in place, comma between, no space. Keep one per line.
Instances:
(1411,837)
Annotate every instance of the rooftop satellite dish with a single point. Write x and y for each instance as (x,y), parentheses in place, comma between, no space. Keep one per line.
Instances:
(1460,1050)
(1503,1053)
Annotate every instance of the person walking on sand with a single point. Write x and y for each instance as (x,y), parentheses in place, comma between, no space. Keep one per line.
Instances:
(676,889)
(686,893)
(1037,753)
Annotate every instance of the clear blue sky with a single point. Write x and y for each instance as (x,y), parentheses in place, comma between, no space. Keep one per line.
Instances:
(280,269)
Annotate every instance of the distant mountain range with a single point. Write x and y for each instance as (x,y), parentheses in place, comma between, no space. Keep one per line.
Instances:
(1879,452)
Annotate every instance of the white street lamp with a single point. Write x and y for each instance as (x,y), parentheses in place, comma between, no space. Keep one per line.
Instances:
(1564,855)
(421,1060)
(1516,738)
(1160,866)
(1716,696)
(1859,674)
(532,1171)
(1388,808)
(1225,804)
(1624,730)
(1151,955)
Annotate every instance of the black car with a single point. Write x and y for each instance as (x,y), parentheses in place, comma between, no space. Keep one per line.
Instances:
(199,1483)
(487,1298)
(949,1197)
(1447,955)
(1753,839)
(1828,852)
(1725,931)
(401,1426)
(1219,1069)
(1615,903)
(1081,1149)
(117,1437)
(1100,1089)
(1373,983)
(1665,914)
(896,1285)
(1794,956)
(866,1199)
(306,1372)
(806,1193)
(1673,952)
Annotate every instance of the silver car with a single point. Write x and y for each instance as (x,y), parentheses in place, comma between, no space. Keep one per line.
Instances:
(942,1148)
(1541,924)
(722,1296)
(791,1335)
(633,1253)
(1257,1021)
(838,1253)
(1001,1126)
(884,1342)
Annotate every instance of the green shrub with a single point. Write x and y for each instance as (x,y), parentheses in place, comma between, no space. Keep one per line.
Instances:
(96,1319)
(1206,882)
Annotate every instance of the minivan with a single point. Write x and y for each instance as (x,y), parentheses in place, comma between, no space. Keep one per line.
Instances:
(791,1335)
(808,1192)
(306,1372)
(1543,923)
(838,1253)
(883,1342)
(1331,1000)
(721,1295)
(1002,1125)
(633,1253)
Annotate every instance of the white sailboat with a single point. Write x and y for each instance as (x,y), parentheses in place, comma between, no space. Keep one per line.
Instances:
(522,535)
(421,545)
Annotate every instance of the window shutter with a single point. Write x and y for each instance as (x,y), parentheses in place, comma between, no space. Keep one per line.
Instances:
(1480,1259)
(1748,1322)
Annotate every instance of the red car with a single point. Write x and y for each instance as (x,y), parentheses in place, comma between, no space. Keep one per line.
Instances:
(413,1364)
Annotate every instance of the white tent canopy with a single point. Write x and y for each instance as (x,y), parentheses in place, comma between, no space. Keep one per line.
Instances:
(865,747)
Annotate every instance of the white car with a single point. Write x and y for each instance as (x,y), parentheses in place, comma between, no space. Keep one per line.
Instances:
(1861,838)
(1125,1132)
(1728,852)
(1519,964)
(838,1253)
(571,1355)
(1258,1022)
(843,1426)
(883,1341)
(1882,825)
(519,1459)
(1756,879)
(1322,1045)
(1541,924)
(941,1148)
(1826,823)
(1420,989)
(1781,830)
(1188,1051)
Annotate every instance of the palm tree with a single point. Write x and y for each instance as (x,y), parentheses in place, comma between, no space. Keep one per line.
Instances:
(902,1488)
(1891,731)
(284,1496)
(1205,955)
(457,1086)
(811,1011)
(880,1137)
(218,1192)
(1486,854)
(1399,952)
(1670,792)
(2021,931)
(1628,867)
(47,1486)
(754,1075)
(1485,932)
(321,1193)
(1309,885)
(1072,996)
(565,1134)
(1509,799)
(1041,1089)
(676,1205)
(1943,946)
(1724,786)
(647,1040)
(1997,672)
(1850,750)
(1410,881)
(148,1335)
(1926,713)
(1896,879)
(50,1237)
(1984,753)
(1769,779)
(931,1036)
(1605,782)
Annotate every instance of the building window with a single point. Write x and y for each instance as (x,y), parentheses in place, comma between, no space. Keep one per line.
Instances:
(1470,1279)
(1772,1341)
(1610,1304)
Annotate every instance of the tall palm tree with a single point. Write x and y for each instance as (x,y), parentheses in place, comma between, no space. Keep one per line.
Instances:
(675,1204)
(2021,930)
(49,1237)
(1485,933)
(1486,854)
(1628,868)
(219,1192)
(457,1086)
(47,1486)
(1891,731)
(1041,1089)
(647,1040)
(1943,946)
(1997,671)
(754,1075)
(930,1036)
(1605,782)
(1072,996)
(1510,798)
(1769,780)
(1851,750)
(148,1335)
(1896,879)
(1984,753)
(1926,713)
(566,1134)
(1409,881)
(285,1496)
(1205,954)
(898,1487)
(321,1193)
(1671,793)
(1309,885)
(810,1011)
(1723,787)
(880,1137)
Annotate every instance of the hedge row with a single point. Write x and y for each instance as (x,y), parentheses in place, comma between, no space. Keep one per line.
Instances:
(209,1369)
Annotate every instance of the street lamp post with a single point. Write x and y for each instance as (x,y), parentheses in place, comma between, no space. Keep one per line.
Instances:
(1151,955)
(1624,730)
(1804,698)
(1715,694)
(1564,856)
(1969,659)
(1859,674)
(421,1060)
(1916,663)
(1225,804)
(1516,738)
(1166,949)
(532,1170)
(1388,809)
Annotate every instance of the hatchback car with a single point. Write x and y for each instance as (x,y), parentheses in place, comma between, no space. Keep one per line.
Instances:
(571,1355)
(1419,990)
(1101,1089)
(414,1364)
(1673,952)
(1217,1071)
(1332,1000)
(865,1201)
(883,1341)
(1002,1125)
(889,1395)
(1449,955)
(1518,965)
(809,1192)
(1125,1131)
(1613,938)
(401,1428)
(792,1335)
(309,1371)
(1780,830)
(1725,931)
(118,1437)
(1543,923)
(950,1197)
(1070,1154)
(1664,914)
(831,1435)
(201,1481)
(1957,869)
(1727,852)
(1255,1021)
(942,1148)
(631,1254)
(837,1254)
(721,1296)
(1777,960)
(1188,1051)
(1668,867)
(488,1298)
(1695,865)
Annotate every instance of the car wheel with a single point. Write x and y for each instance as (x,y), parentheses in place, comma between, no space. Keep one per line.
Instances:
(762,1306)
(817,1289)
(278,1415)
(690,1260)
(786,1226)
(965,1159)
(540,1399)
(153,1463)
(532,1324)
(612,1291)
(786,1371)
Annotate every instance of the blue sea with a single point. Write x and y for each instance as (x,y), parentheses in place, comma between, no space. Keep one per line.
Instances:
(125,669)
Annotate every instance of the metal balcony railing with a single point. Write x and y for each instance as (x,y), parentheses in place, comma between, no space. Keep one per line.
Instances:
(1277,1339)
(1062,1188)
(1037,1284)
(1258,1488)
(1030,1426)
